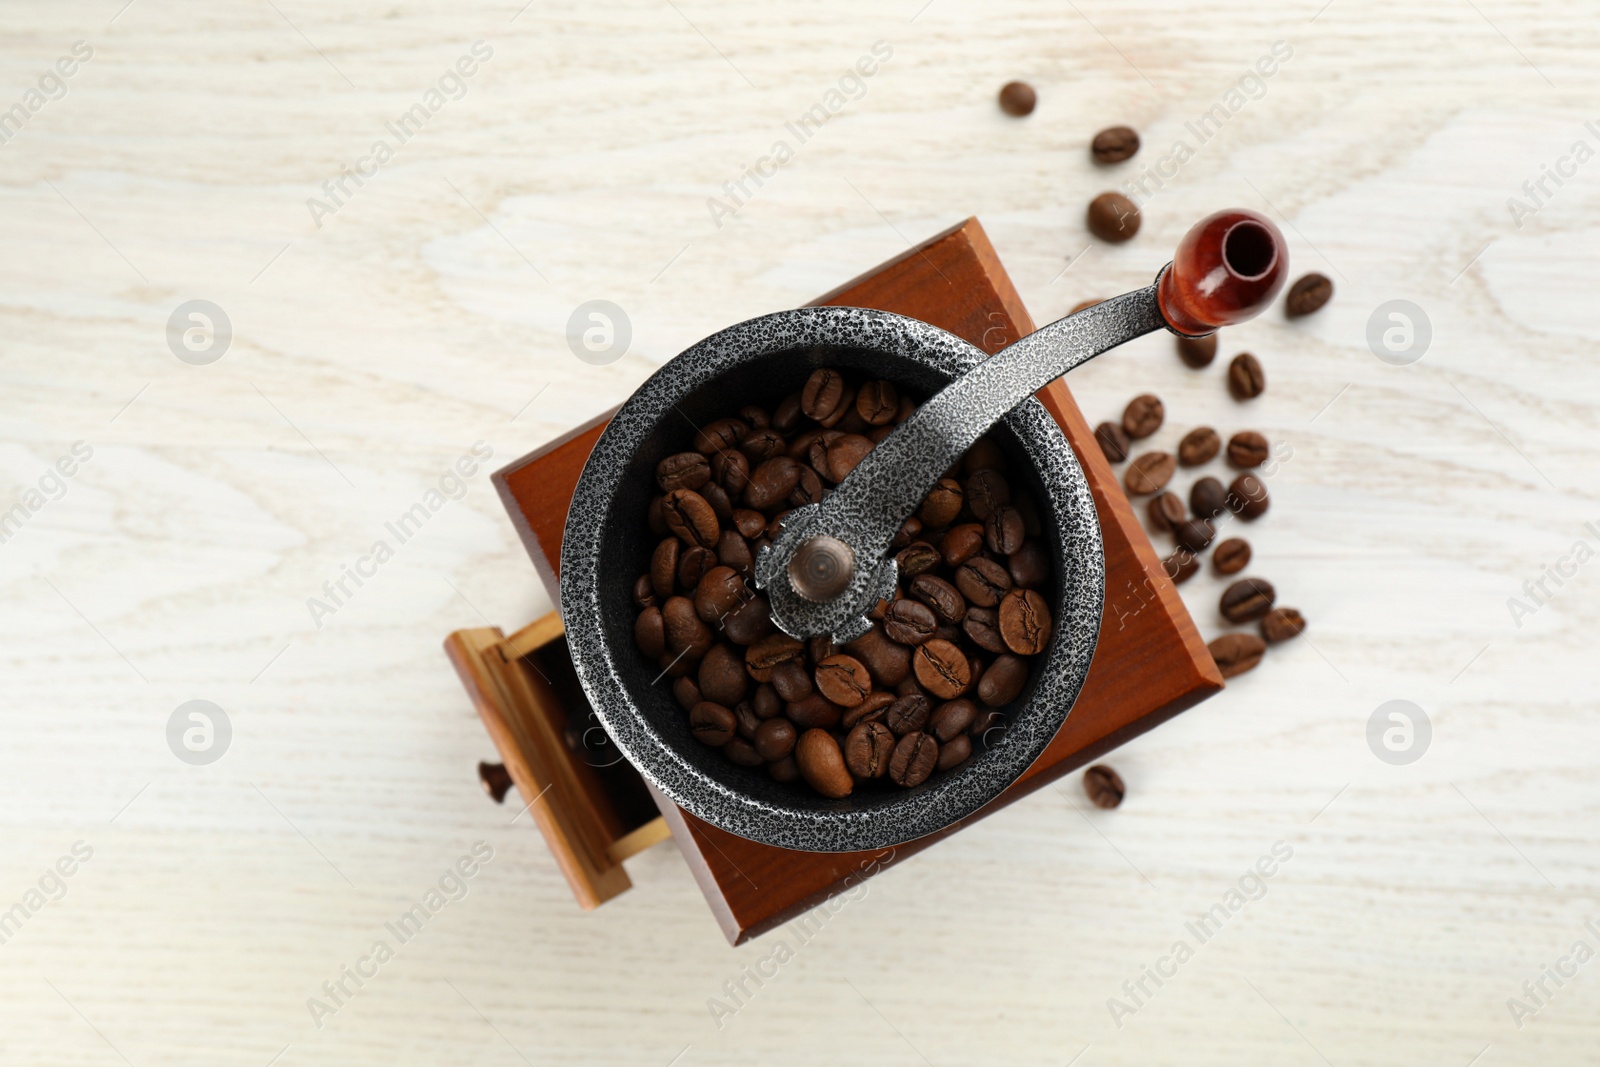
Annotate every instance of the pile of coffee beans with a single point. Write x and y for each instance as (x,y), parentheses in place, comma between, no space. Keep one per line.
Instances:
(944,657)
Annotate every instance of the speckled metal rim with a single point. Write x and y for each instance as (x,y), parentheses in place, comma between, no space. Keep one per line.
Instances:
(1081,564)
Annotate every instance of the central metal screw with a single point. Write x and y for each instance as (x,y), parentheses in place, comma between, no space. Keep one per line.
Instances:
(821,568)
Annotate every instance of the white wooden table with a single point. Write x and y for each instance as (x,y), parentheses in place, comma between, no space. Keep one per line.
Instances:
(428,312)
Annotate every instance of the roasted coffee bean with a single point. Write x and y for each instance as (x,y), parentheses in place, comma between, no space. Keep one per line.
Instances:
(1231,556)
(1004,530)
(1246,379)
(1003,681)
(843,680)
(942,668)
(1114,144)
(988,720)
(1199,445)
(664,567)
(908,714)
(1247,497)
(1113,217)
(686,634)
(823,394)
(750,524)
(1103,786)
(983,582)
(952,718)
(1025,622)
(867,749)
(775,738)
(731,470)
(913,759)
(1247,449)
(770,651)
(940,595)
(942,504)
(758,446)
(644,592)
(814,712)
(1308,294)
(1207,498)
(734,552)
(1143,416)
(749,622)
(722,676)
(843,453)
(1197,352)
(878,403)
(747,719)
(987,490)
(872,709)
(909,622)
(1018,99)
(1029,566)
(742,752)
(790,680)
(906,534)
(721,503)
(766,702)
(962,543)
(755,417)
(1236,653)
(822,764)
(1166,511)
(784,770)
(808,490)
(691,518)
(984,455)
(887,662)
(800,448)
(720,590)
(787,415)
(686,693)
(771,483)
(919,557)
(948,632)
(685,470)
(954,752)
(693,563)
(712,723)
(653,519)
(820,646)
(982,627)
(844,415)
(1113,441)
(719,436)
(1181,565)
(650,632)
(1149,473)
(1247,599)
(1194,534)
(1280,624)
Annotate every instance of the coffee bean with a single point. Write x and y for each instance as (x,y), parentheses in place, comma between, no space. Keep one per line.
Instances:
(771,483)
(1207,498)
(985,491)
(983,582)
(962,543)
(766,701)
(1113,217)
(1247,497)
(756,447)
(808,490)
(878,402)
(1236,653)
(872,709)
(1280,624)
(1246,379)
(909,622)
(1018,99)
(954,752)
(867,749)
(685,470)
(989,726)
(814,712)
(952,719)
(913,759)
(734,553)
(775,738)
(790,680)
(1103,786)
(843,680)
(1114,144)
(942,505)
(908,532)
(1198,446)
(1149,473)
(908,714)
(1308,295)
(844,453)
(1166,510)
(664,567)
(719,591)
(1246,599)
(1025,622)
(653,519)
(823,393)
(1144,415)
(942,668)
(767,653)
(1181,565)
(784,770)
(1004,530)
(719,436)
(650,633)
(982,626)
(787,415)
(644,593)
(747,719)
(711,723)
(1231,556)
(749,523)
(1194,534)
(844,416)
(919,557)
(1003,681)
(1113,441)
(693,563)
(984,455)
(721,503)
(686,634)
(722,676)
(887,662)
(686,693)
(749,622)
(1247,449)
(755,417)
(822,764)
(690,517)
(742,752)
(940,595)
(1197,352)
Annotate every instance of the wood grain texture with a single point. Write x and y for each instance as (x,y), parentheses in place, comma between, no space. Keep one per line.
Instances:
(430,312)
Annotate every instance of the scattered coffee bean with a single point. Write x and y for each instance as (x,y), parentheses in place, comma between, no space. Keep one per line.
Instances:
(867,749)
(1246,379)
(953,718)
(1207,498)
(770,651)
(722,676)
(984,455)
(1004,530)
(823,394)
(983,582)
(1113,441)
(815,712)
(872,709)
(908,714)
(644,592)
(1194,534)
(1280,624)
(649,632)
(775,738)
(1103,786)
(1236,653)
(1024,622)
(1029,566)
(1113,217)
(943,504)
(982,627)
(1308,294)
(693,563)
(718,592)
(985,491)
(664,567)
(685,470)
(954,752)
(685,632)
(909,622)
(1197,352)
(1166,511)
(843,680)
(749,622)
(719,436)
(1114,144)
(771,483)
(906,534)
(1003,681)
(1181,566)
(919,557)
(822,764)
(742,752)
(686,693)
(878,403)
(790,680)
(962,543)
(1231,556)
(1247,497)
(1247,449)
(1200,445)
(1143,415)
(784,770)
(690,517)
(1018,99)
(1245,600)
(1149,473)
(888,662)
(944,598)
(943,669)
(913,759)
(711,723)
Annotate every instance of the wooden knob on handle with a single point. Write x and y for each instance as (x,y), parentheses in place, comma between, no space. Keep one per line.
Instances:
(1227,269)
